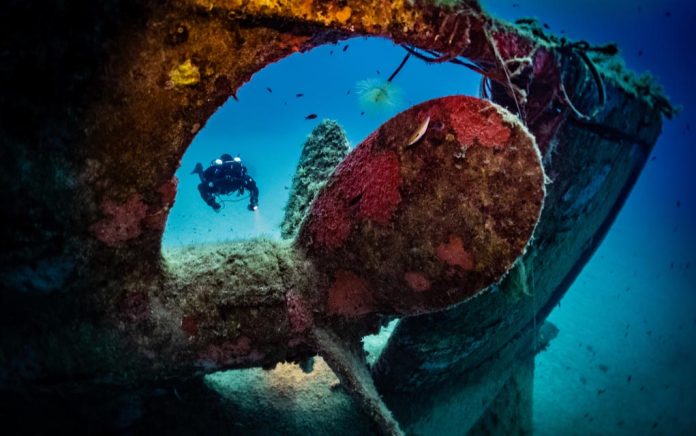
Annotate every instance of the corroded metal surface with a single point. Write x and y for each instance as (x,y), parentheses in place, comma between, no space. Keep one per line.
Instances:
(411,229)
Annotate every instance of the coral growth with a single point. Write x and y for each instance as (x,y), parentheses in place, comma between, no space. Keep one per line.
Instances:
(185,74)
(123,221)
(349,295)
(299,313)
(158,219)
(366,188)
(126,221)
(484,127)
(452,253)
(417,281)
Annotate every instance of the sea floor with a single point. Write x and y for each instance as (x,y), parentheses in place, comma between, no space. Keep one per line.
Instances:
(624,361)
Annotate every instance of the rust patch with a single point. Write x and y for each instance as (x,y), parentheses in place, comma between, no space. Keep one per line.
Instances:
(300,315)
(135,306)
(228,352)
(417,281)
(453,253)
(189,324)
(123,221)
(349,295)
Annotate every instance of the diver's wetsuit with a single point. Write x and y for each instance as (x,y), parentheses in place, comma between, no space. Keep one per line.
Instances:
(223,177)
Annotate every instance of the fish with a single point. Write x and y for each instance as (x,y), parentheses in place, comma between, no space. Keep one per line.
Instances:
(348,92)
(345,47)
(310,117)
(269,90)
(299,95)
(420,131)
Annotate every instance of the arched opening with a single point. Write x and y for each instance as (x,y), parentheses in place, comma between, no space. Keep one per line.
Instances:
(275,112)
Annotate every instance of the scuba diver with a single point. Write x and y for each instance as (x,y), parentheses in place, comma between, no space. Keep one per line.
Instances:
(224,176)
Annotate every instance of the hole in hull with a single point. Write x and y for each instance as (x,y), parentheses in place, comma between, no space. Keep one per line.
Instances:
(269,123)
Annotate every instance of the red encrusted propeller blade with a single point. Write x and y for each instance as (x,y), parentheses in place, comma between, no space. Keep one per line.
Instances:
(432,208)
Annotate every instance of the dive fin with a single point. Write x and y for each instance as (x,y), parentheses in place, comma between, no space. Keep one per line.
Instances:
(197,169)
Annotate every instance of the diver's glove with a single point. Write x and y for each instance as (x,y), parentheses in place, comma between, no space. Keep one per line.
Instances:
(252,207)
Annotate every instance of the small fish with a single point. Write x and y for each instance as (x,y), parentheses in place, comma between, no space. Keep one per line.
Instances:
(348,92)
(310,117)
(331,52)
(298,95)
(345,47)
(377,71)
(362,113)
(269,90)
(420,131)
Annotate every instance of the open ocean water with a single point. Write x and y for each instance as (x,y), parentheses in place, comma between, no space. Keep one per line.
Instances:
(624,361)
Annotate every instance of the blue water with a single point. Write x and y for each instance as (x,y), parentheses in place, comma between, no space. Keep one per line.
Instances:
(625,358)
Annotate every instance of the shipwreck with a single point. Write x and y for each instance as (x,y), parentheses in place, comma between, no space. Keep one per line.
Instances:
(103,333)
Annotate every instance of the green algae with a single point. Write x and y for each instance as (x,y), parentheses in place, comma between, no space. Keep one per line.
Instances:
(324,149)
